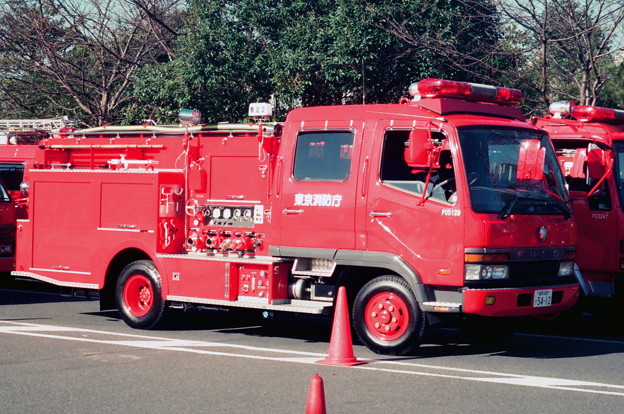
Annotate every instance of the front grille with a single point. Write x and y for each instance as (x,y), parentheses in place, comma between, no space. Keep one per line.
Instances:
(527,274)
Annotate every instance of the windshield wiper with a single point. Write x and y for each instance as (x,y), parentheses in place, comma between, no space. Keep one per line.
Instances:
(506,210)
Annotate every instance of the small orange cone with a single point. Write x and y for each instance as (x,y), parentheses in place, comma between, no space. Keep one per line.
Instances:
(340,344)
(316,396)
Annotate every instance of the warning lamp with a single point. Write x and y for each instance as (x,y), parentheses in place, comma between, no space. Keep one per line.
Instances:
(440,88)
(588,113)
(260,109)
(190,116)
(561,108)
(25,188)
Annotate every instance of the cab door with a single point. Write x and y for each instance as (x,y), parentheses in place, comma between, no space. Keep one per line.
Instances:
(317,185)
(427,232)
(596,246)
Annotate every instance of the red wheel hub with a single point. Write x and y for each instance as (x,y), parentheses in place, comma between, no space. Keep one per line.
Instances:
(138,295)
(387,316)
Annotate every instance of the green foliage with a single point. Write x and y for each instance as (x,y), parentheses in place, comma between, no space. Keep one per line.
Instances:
(612,95)
(233,52)
(219,68)
(230,53)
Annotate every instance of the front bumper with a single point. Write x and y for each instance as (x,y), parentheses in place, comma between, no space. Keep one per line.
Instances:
(518,301)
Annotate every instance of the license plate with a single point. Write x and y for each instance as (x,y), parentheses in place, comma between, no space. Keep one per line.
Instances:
(542,298)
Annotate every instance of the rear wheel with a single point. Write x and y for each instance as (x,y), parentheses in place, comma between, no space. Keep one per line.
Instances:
(139,295)
(386,316)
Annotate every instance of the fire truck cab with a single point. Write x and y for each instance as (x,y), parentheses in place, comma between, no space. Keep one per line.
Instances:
(589,141)
(445,205)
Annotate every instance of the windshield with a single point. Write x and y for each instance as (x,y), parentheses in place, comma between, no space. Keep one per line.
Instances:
(512,171)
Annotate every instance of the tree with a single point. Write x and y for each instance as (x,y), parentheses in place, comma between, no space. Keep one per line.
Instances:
(330,53)
(232,52)
(77,58)
(463,36)
(219,66)
(566,47)
(613,93)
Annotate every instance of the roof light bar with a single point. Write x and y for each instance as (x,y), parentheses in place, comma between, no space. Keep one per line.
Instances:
(588,113)
(440,88)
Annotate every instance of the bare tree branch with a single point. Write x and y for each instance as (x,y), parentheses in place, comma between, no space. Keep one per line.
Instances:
(82,52)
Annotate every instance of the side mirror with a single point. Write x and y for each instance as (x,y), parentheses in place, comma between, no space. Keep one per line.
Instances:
(419,149)
(597,163)
(531,160)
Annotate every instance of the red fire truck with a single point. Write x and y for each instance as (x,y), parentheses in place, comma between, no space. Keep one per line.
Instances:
(589,142)
(446,205)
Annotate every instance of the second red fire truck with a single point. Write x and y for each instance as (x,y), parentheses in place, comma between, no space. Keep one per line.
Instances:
(18,143)
(446,205)
(589,141)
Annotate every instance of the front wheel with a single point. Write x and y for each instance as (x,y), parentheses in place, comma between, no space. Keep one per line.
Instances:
(139,295)
(386,316)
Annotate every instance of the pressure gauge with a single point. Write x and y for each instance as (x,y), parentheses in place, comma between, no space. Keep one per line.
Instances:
(227,213)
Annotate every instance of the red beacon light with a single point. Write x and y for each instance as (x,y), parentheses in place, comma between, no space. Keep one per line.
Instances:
(440,88)
(588,113)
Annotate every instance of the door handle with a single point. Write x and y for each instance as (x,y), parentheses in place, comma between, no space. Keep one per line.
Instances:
(287,211)
(380,214)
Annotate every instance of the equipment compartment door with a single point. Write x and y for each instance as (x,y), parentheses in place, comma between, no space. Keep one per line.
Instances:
(318,187)
(64,221)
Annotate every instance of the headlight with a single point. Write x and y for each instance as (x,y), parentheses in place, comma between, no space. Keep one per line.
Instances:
(566,269)
(486,272)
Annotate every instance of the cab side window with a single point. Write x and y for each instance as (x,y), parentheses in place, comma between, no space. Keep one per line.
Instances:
(572,156)
(323,156)
(396,173)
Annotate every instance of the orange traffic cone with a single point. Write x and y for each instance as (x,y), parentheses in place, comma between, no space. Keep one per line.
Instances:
(316,396)
(340,344)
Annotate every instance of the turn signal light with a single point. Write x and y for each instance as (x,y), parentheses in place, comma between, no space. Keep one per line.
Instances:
(490,300)
(486,257)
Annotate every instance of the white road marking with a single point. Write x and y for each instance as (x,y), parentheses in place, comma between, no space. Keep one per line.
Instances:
(208,348)
(572,338)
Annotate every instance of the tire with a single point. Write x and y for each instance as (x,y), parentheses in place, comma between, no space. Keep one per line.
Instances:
(139,295)
(386,316)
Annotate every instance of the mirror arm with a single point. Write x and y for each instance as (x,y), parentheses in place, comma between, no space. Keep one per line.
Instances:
(602,179)
(424,193)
